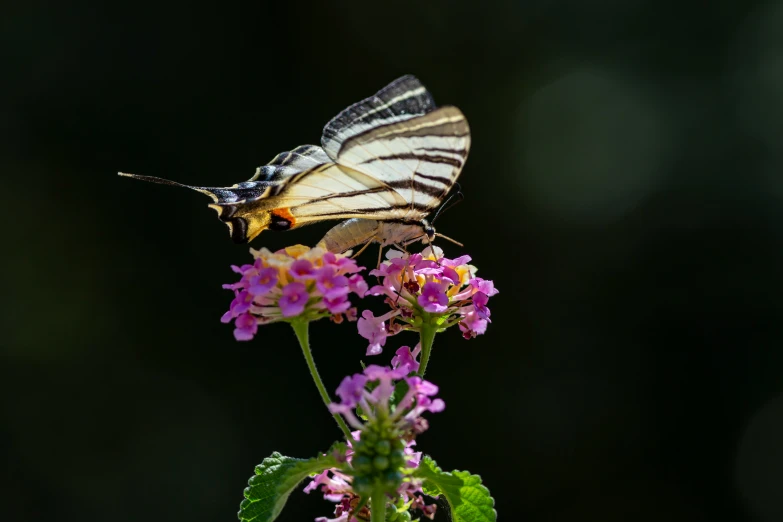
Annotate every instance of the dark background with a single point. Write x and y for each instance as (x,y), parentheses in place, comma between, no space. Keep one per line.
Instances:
(623,190)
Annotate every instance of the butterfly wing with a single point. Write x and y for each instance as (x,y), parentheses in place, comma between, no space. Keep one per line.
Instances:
(296,188)
(398,137)
(390,157)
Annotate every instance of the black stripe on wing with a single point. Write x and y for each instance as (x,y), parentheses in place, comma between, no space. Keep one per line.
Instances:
(420,188)
(290,163)
(402,99)
(373,212)
(449,160)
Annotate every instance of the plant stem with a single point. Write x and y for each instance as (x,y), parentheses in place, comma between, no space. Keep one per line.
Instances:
(427,337)
(301,329)
(378,505)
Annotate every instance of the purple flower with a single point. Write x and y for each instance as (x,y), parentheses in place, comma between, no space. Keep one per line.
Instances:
(337,305)
(242,302)
(406,359)
(415,285)
(290,283)
(245,327)
(337,485)
(433,297)
(472,325)
(294,299)
(351,389)
(329,284)
(374,330)
(484,286)
(301,269)
(381,451)
(262,283)
(376,404)
(480,300)
(357,285)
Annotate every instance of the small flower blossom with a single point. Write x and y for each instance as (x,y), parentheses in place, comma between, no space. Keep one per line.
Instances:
(376,404)
(381,450)
(427,287)
(294,282)
(374,330)
(433,297)
(406,358)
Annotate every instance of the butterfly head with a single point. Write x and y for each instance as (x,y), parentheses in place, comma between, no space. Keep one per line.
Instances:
(429,231)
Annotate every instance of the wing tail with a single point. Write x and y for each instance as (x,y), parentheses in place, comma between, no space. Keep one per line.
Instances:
(240,207)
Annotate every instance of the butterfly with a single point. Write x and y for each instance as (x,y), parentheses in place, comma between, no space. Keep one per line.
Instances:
(384,164)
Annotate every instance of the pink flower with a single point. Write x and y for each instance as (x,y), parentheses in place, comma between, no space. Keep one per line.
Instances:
(351,389)
(246,327)
(381,451)
(375,404)
(405,358)
(330,284)
(301,268)
(429,288)
(262,283)
(374,330)
(293,299)
(480,304)
(433,297)
(296,282)
(472,325)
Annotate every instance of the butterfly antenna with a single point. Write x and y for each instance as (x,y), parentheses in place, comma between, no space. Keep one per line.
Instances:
(447,238)
(455,198)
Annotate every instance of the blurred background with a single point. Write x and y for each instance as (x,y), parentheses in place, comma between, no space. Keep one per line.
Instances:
(623,191)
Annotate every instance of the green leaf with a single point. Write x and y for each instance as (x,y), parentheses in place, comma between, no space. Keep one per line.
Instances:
(468,498)
(275,478)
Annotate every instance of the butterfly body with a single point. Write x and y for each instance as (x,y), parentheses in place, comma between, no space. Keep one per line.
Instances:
(384,164)
(354,232)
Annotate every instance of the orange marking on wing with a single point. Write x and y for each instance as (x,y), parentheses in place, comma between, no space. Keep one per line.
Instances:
(285,213)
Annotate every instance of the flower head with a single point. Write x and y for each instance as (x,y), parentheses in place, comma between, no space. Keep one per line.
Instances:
(381,449)
(374,389)
(427,288)
(294,282)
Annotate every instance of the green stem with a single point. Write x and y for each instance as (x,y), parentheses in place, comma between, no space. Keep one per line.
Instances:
(378,505)
(426,337)
(301,329)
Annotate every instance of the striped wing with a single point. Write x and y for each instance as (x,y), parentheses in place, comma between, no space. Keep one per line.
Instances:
(393,156)
(399,138)
(296,188)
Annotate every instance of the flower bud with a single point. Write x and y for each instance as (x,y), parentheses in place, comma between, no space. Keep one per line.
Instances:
(383,447)
(380,462)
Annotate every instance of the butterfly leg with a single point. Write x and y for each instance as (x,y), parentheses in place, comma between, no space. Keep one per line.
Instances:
(364,247)
(400,247)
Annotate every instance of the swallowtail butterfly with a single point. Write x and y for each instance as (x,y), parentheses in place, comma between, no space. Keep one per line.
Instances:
(384,164)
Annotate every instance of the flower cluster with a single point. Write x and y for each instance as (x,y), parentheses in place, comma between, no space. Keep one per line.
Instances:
(294,282)
(404,417)
(427,288)
(381,452)
(338,487)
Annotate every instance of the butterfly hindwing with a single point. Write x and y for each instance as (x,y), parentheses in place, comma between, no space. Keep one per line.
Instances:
(399,137)
(421,157)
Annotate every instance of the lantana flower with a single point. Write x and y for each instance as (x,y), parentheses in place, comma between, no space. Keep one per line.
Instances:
(295,282)
(381,451)
(427,288)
